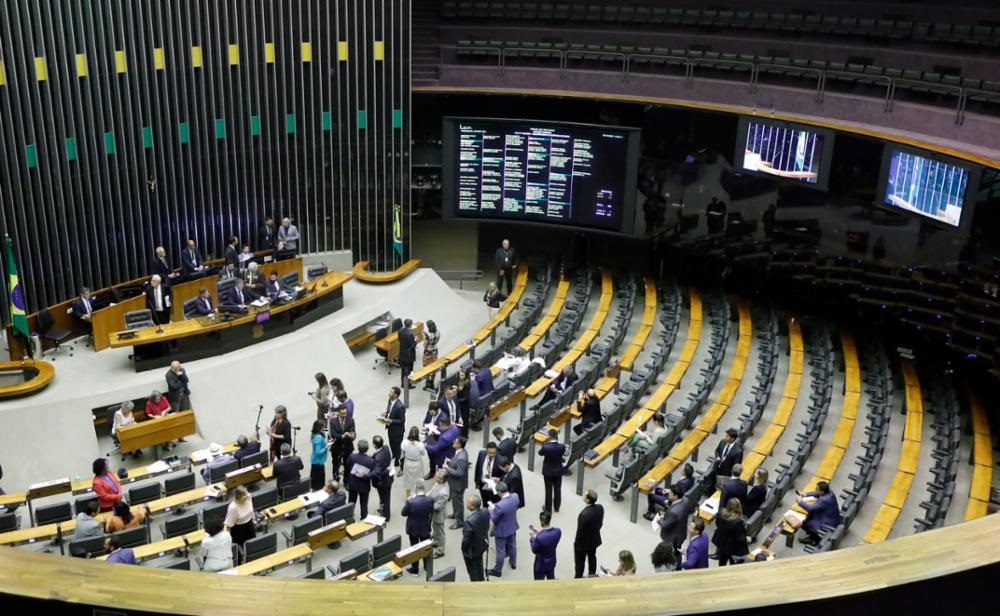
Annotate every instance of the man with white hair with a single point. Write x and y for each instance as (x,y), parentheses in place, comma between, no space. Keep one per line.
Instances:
(288,237)
(161,267)
(254,278)
(158,298)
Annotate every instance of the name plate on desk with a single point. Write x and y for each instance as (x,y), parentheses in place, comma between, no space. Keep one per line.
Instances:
(710,507)
(48,488)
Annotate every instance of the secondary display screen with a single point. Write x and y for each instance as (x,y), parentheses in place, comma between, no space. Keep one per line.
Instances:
(929,187)
(577,175)
(789,151)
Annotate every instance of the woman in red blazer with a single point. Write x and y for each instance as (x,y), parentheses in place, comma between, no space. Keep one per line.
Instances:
(106,485)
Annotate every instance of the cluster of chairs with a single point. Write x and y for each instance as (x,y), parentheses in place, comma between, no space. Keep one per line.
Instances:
(941,401)
(570,319)
(899,28)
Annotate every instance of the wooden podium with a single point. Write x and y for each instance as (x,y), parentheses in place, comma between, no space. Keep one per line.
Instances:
(155,432)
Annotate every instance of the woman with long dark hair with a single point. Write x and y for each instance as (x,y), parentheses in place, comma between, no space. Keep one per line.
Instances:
(317,472)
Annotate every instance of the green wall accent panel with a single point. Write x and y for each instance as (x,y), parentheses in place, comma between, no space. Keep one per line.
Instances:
(220,128)
(327,121)
(70,148)
(362,119)
(147,137)
(109,143)
(397,118)
(184,132)
(31,155)
(290,123)
(255,126)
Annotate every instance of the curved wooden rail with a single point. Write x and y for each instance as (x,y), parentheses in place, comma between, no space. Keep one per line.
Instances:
(361,272)
(43,373)
(852,571)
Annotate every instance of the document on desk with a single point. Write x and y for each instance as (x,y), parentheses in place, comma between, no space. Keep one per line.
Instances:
(793,518)
(381,573)
(710,507)
(313,497)
(259,302)
(374,520)
(158,467)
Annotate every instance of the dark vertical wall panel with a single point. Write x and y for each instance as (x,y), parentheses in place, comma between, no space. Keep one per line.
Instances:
(102,162)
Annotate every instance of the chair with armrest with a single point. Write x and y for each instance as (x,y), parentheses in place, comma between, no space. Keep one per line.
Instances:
(190,311)
(50,514)
(179,526)
(384,551)
(144,494)
(133,536)
(87,548)
(137,319)
(176,485)
(445,575)
(46,325)
(264,545)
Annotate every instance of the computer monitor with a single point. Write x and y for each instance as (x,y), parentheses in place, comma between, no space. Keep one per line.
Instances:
(290,279)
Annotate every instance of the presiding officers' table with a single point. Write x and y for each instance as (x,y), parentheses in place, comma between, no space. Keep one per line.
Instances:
(155,347)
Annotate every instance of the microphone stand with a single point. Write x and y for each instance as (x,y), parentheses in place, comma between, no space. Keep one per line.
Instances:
(295,438)
(256,427)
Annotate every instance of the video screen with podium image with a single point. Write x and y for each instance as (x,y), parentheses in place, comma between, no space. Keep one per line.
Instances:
(569,174)
(924,185)
(789,151)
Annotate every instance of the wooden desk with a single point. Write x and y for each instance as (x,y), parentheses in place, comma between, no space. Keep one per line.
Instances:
(361,529)
(168,503)
(362,273)
(390,344)
(13,499)
(882,525)
(157,431)
(394,572)
(204,337)
(331,533)
(163,547)
(277,560)
(899,489)
(37,375)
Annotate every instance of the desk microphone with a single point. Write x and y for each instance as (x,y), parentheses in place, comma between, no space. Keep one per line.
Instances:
(296,427)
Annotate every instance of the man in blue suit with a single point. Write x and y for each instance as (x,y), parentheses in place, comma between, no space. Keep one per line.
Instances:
(552,470)
(418,511)
(83,309)
(484,377)
(696,556)
(203,305)
(823,511)
(239,294)
(381,479)
(504,516)
(441,449)
(543,545)
(191,260)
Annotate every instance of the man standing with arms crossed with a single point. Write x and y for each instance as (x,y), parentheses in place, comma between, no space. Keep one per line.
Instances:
(506,261)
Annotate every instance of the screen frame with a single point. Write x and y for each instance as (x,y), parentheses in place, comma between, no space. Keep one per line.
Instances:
(825,163)
(968,204)
(449,168)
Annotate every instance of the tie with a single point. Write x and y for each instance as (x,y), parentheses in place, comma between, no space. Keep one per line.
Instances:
(725,450)
(451,409)
(489,467)
(86,304)
(239,293)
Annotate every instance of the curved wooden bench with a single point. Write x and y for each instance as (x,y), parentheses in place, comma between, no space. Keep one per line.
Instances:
(982,459)
(361,272)
(43,372)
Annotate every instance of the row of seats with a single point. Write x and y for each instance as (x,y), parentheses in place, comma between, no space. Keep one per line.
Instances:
(942,404)
(806,22)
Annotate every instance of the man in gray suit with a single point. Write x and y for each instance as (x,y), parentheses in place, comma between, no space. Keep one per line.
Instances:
(441,495)
(458,480)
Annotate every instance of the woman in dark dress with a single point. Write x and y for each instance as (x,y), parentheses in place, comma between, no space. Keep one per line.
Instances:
(730,536)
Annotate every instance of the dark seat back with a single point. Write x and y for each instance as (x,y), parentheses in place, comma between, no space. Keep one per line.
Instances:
(359,561)
(180,525)
(261,457)
(265,498)
(50,514)
(176,485)
(90,546)
(9,522)
(133,536)
(80,504)
(318,573)
(216,512)
(344,512)
(384,551)
(218,473)
(189,309)
(445,575)
(301,530)
(144,494)
(137,319)
(181,563)
(265,545)
(295,489)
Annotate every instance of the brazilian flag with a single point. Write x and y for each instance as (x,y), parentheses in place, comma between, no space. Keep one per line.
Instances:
(18,318)
(397,229)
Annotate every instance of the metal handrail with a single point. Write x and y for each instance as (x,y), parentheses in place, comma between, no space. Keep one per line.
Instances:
(889,87)
(959,109)
(820,81)
(460,275)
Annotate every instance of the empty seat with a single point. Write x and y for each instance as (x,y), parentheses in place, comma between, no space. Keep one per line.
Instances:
(359,561)
(218,473)
(80,504)
(315,574)
(9,522)
(214,512)
(257,547)
(133,536)
(295,489)
(50,514)
(384,551)
(181,563)
(86,548)
(300,530)
(144,494)
(176,485)
(344,512)
(180,525)
(261,457)
(265,498)
(445,575)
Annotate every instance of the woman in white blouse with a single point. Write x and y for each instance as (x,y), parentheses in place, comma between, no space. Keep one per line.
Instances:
(416,464)
(216,547)
(123,417)
(239,517)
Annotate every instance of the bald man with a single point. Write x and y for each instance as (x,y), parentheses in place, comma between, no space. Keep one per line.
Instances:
(506,261)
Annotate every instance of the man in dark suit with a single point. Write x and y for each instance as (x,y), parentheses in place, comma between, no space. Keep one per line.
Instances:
(588,534)
(447,406)
(287,468)
(233,253)
(334,498)
(191,261)
(273,287)
(254,278)
(418,511)
(359,479)
(228,271)
(161,267)
(381,478)
(589,406)
(395,424)
(340,432)
(265,236)
(440,449)
(484,377)
(658,496)
(487,468)
(504,516)
(734,487)
(561,383)
(506,445)
(407,353)
(544,542)
(513,477)
(458,480)
(727,453)
(83,309)
(673,528)
(506,260)
(246,447)
(552,452)
(158,298)
(240,294)
(475,537)
(203,305)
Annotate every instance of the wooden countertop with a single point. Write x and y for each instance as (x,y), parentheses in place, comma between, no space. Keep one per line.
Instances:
(44,373)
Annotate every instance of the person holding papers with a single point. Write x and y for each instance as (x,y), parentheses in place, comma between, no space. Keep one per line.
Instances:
(359,480)
(821,510)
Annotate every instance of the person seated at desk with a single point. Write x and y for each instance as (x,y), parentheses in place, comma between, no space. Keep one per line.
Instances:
(123,418)
(254,278)
(589,407)
(217,457)
(644,440)
(275,288)
(191,261)
(246,446)
(86,523)
(227,272)
(158,299)
(118,554)
(83,310)
(334,498)
(161,267)
(821,510)
(240,294)
(561,383)
(125,517)
(287,468)
(203,305)
(157,405)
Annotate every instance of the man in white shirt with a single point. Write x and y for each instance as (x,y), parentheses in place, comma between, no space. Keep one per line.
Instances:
(288,237)
(158,298)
